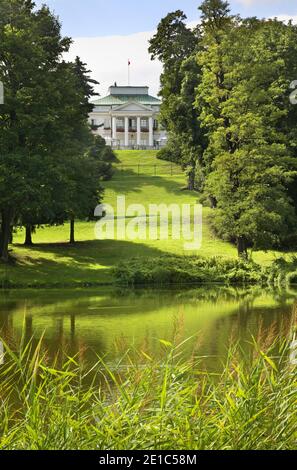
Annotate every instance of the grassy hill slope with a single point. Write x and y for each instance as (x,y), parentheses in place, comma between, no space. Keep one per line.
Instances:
(143,180)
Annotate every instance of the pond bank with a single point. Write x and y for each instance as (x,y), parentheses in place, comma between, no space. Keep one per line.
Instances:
(167,270)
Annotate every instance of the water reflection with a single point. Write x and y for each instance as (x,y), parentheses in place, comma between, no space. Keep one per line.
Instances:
(107,322)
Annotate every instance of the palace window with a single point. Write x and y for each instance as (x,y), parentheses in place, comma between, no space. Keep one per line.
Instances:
(107,124)
(120,125)
(132,124)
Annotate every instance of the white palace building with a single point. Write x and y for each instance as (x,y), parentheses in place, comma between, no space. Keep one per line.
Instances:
(128,118)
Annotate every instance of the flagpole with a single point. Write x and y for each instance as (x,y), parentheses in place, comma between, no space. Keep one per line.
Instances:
(128,72)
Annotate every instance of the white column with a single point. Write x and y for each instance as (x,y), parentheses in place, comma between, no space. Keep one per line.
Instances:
(114,127)
(126,131)
(138,131)
(151,132)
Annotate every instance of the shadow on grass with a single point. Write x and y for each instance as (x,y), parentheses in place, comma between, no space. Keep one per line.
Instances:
(65,264)
(87,261)
(105,252)
(122,183)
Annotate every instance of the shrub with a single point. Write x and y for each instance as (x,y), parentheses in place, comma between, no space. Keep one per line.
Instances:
(283,271)
(291,278)
(172,269)
(104,155)
(170,153)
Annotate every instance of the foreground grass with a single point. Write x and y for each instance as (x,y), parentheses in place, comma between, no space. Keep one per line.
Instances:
(53,262)
(147,403)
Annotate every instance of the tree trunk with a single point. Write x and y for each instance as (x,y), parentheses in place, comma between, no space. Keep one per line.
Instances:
(72,238)
(242,248)
(5,235)
(191,180)
(213,202)
(28,239)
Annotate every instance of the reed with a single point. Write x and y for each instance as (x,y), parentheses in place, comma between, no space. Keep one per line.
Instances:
(142,402)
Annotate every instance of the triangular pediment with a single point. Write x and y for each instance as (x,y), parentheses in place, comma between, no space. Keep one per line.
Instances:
(132,106)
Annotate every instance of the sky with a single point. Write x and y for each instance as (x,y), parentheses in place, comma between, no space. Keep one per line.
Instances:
(106,33)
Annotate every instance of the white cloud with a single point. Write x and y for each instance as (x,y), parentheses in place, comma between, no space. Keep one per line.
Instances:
(287,18)
(248,3)
(284,17)
(107,58)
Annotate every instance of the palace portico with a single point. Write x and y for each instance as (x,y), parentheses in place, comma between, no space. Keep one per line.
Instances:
(128,118)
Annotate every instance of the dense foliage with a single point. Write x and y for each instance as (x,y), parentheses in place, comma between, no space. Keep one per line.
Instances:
(47,173)
(168,270)
(230,121)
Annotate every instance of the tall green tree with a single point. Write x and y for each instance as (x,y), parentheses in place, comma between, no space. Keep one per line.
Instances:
(250,164)
(226,107)
(212,91)
(176,45)
(43,121)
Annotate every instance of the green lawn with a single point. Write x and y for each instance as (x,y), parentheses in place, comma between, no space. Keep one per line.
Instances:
(52,261)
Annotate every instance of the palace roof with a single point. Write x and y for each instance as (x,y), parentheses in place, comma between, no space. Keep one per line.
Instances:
(117,100)
(119,95)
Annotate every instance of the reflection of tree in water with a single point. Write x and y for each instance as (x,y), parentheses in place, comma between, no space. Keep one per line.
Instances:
(7,307)
(64,338)
(81,299)
(249,323)
(187,293)
(64,341)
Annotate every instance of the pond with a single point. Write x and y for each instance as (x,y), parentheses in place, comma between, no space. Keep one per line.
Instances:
(107,322)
